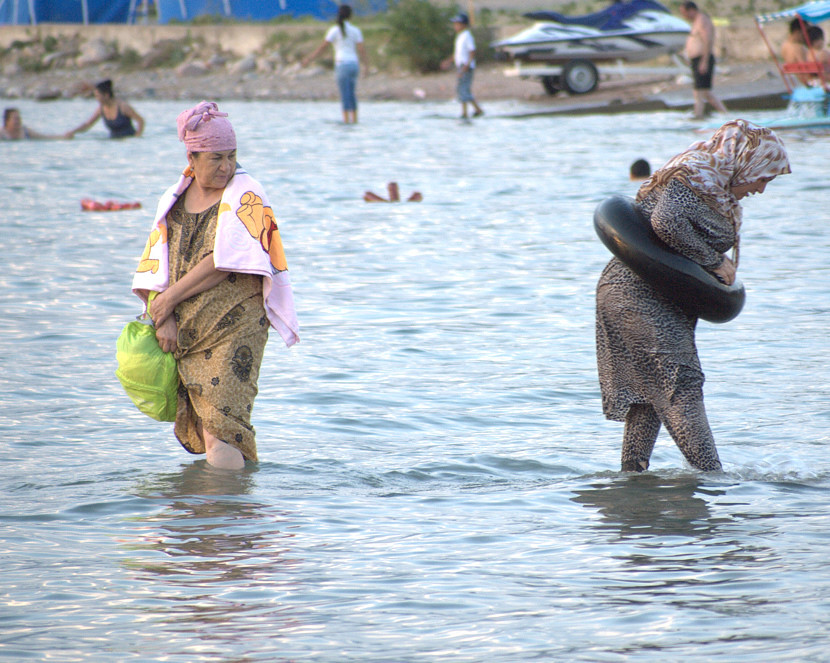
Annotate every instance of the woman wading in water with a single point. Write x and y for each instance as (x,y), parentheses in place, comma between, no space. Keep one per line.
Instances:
(649,371)
(215,277)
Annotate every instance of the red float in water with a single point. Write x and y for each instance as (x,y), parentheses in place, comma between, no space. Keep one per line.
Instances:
(89,205)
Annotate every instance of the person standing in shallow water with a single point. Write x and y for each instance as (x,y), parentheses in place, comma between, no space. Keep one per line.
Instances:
(464,58)
(649,371)
(214,276)
(700,46)
(349,51)
(117,114)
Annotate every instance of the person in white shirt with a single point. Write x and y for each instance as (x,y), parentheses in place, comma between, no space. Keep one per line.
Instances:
(349,52)
(464,58)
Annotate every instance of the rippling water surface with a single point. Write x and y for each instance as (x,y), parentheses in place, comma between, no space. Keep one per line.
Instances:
(437,482)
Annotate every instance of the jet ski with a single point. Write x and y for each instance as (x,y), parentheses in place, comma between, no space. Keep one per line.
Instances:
(629,31)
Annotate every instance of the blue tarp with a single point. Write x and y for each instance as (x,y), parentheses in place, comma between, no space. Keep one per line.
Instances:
(29,12)
(259,10)
(812,12)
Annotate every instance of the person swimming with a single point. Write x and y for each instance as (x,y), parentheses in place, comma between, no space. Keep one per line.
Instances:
(639,170)
(14,129)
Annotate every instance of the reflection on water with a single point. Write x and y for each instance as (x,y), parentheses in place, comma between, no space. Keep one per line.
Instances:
(211,528)
(648,504)
(674,553)
(216,558)
(198,478)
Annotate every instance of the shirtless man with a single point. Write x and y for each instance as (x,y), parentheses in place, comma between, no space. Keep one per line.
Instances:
(699,50)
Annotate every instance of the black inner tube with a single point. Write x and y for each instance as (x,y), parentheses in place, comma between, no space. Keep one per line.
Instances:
(629,236)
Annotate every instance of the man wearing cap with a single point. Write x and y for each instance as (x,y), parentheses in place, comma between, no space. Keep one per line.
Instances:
(464,57)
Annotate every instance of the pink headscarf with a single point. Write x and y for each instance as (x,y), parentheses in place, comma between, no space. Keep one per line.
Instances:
(204,129)
(738,153)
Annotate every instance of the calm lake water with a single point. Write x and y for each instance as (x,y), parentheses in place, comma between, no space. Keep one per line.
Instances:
(437,481)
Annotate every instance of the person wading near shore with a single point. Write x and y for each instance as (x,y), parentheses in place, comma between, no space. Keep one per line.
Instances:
(464,58)
(649,370)
(116,113)
(700,46)
(349,52)
(214,277)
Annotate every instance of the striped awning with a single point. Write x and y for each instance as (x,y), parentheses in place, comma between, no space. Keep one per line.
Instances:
(812,12)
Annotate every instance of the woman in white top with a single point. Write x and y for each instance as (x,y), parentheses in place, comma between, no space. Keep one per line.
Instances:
(347,41)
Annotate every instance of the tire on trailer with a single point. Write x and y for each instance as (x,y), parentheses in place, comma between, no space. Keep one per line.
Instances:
(552,84)
(580,77)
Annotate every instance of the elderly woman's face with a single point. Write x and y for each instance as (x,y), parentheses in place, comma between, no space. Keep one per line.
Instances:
(758,186)
(213,170)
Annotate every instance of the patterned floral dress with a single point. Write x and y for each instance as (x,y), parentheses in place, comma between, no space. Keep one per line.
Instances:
(646,353)
(221,340)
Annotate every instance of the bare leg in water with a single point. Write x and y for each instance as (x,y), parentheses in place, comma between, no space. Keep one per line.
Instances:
(221,454)
(701,97)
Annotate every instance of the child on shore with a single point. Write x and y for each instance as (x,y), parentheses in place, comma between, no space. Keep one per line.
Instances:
(464,58)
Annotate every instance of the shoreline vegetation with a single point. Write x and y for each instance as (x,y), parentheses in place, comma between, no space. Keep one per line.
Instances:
(261,61)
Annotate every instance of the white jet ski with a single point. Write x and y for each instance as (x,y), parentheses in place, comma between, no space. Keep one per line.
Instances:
(629,31)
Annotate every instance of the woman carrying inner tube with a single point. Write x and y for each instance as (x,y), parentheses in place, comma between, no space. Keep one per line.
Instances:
(649,371)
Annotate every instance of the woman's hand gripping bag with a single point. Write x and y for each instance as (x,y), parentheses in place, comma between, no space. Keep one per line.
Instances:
(148,374)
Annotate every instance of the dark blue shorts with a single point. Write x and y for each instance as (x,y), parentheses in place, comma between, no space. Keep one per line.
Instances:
(703,81)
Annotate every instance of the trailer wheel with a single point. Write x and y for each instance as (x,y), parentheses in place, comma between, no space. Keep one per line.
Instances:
(580,77)
(552,84)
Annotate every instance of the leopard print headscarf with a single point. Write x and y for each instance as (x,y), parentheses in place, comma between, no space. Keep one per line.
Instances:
(738,153)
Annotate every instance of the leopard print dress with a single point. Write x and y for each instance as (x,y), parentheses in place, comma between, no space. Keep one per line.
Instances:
(221,340)
(649,371)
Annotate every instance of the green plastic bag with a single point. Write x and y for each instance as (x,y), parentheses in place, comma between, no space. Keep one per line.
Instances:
(148,374)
